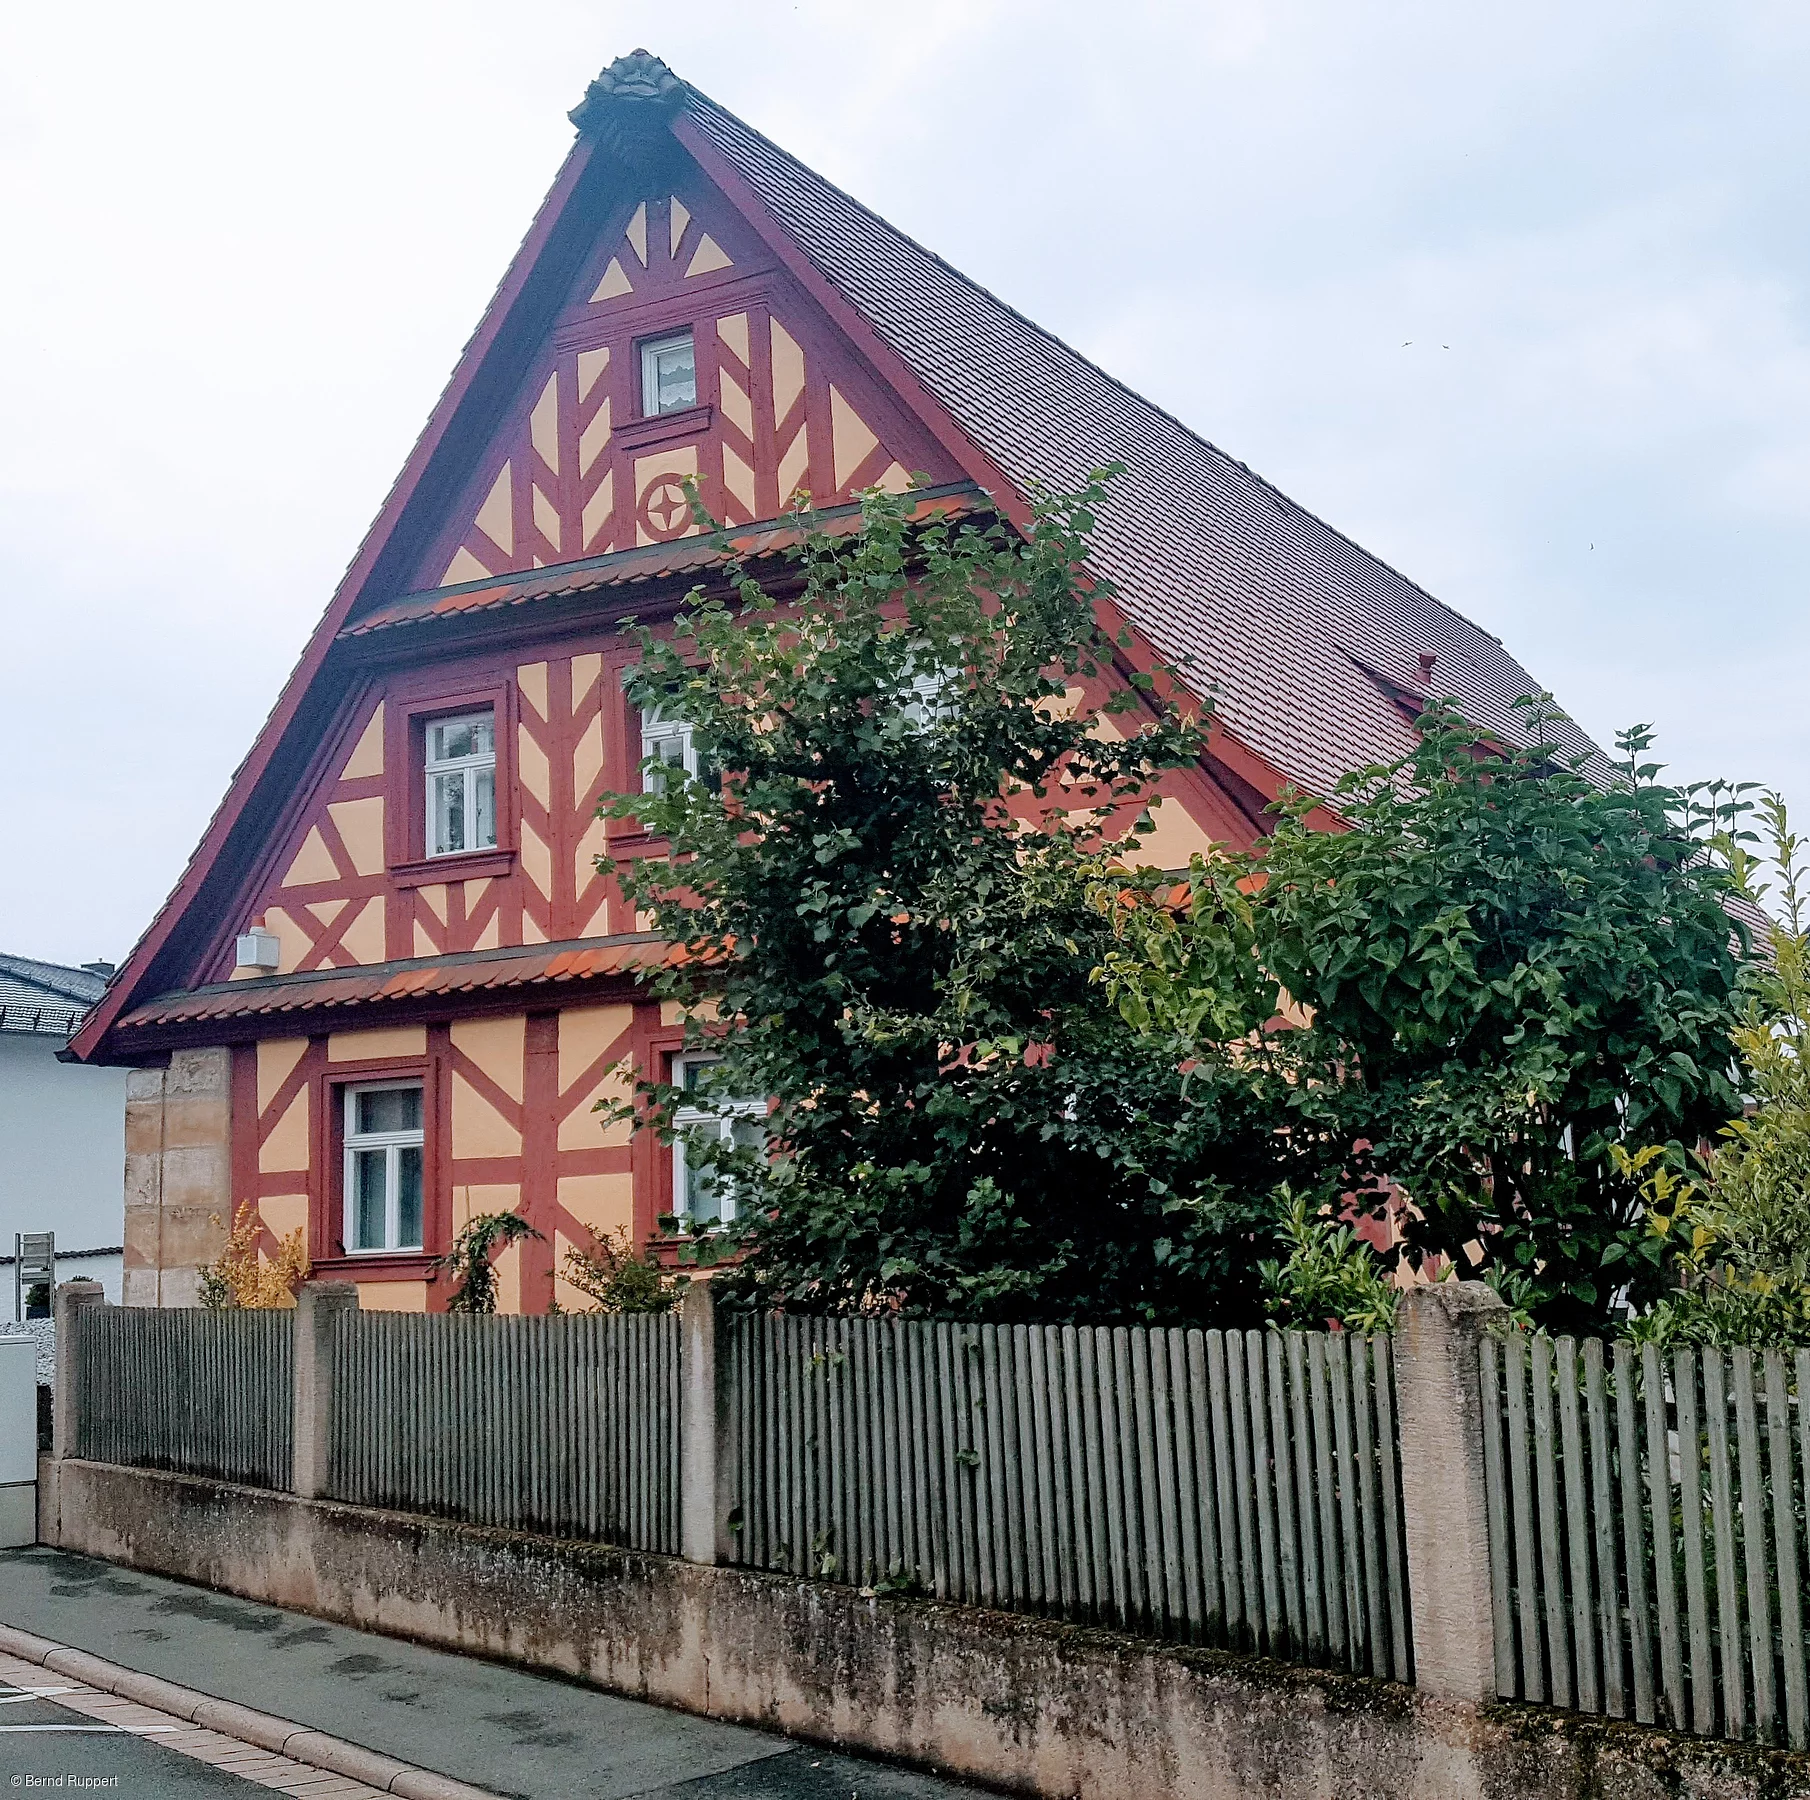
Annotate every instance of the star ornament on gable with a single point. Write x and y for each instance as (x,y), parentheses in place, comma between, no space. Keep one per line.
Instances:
(664,510)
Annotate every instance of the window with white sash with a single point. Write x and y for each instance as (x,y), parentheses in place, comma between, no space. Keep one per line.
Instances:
(667,741)
(461,783)
(384,1146)
(704,1196)
(669,375)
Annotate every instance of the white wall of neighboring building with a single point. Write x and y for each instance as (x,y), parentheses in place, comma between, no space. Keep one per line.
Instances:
(62,1150)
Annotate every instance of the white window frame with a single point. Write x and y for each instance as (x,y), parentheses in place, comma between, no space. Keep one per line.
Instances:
(720,1119)
(927,701)
(925,698)
(392,1143)
(658,730)
(471,767)
(650,373)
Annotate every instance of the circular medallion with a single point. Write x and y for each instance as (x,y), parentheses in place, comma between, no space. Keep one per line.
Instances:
(663,510)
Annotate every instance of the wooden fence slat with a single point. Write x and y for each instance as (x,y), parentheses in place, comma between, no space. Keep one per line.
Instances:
(1526,1540)
(1190,1484)
(1395,1558)
(1166,1446)
(1802,1365)
(1577,1528)
(1363,1431)
(1752,1516)
(1640,1616)
(1288,1534)
(1784,1546)
(1325,1466)
(1732,1687)
(1691,1527)
(1495,1498)
(1225,1483)
(1338,1361)
(1078,1474)
(1552,1567)
(1146,1453)
(1206,1506)
(1108,1591)
(1602,1506)
(1114,1591)
(1313,1599)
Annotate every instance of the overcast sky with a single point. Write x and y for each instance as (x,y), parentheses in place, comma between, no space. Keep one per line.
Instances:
(1514,296)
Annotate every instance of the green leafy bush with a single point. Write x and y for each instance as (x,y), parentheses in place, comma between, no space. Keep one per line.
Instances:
(1507,969)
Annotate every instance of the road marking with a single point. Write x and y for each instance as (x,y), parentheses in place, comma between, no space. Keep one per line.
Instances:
(122,1730)
(16,1696)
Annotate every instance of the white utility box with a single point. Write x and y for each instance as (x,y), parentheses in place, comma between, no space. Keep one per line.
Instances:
(18,1442)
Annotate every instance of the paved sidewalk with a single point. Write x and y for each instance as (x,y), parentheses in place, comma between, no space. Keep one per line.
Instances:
(500,1728)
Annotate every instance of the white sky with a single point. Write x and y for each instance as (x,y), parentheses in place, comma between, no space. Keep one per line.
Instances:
(1515,296)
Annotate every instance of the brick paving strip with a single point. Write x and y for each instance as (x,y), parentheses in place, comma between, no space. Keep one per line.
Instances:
(274,1753)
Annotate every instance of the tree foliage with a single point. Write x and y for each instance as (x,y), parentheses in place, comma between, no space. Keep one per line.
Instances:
(894,885)
(1509,966)
(1737,1220)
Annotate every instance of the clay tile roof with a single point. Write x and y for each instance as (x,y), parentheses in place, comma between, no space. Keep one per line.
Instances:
(647,566)
(377,984)
(1271,607)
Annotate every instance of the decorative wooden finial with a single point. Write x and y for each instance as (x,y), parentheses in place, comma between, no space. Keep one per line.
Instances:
(631,83)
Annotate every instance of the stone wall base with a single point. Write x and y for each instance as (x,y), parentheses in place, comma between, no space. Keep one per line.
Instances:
(1028,1705)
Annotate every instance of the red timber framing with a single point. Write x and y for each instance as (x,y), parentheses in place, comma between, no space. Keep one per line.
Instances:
(509,1122)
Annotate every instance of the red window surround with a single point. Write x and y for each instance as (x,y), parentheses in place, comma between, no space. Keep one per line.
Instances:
(326,1187)
(405,785)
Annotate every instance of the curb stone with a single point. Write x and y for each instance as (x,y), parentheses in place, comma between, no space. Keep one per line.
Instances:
(283,1737)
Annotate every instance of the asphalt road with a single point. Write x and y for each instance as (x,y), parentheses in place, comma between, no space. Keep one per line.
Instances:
(44,1748)
(501,1728)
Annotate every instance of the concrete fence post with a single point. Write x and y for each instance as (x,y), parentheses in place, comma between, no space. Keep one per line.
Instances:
(704,1535)
(1439,1405)
(318,1304)
(72,1300)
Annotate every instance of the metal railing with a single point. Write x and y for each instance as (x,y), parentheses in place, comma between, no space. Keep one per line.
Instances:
(1234,1489)
(1647,1531)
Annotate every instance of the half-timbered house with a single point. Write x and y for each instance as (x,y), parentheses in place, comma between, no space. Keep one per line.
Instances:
(391,984)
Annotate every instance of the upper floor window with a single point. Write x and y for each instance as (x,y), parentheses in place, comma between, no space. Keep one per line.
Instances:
(461,783)
(927,698)
(669,375)
(383,1166)
(668,742)
(704,1195)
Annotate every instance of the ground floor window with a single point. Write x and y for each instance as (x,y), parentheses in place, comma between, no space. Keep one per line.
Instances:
(383,1166)
(702,1196)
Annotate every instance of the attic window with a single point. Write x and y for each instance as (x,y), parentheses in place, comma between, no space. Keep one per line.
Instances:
(669,375)
(461,783)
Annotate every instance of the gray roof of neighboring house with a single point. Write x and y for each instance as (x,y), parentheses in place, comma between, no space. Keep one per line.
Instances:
(45,999)
(1314,648)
